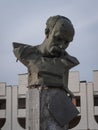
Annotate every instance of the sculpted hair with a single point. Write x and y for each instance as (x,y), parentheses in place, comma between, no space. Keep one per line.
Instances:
(51,22)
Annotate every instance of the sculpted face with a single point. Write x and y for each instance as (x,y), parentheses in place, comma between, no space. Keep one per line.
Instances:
(60,37)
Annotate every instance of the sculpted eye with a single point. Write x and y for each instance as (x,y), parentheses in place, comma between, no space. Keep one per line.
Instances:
(58,39)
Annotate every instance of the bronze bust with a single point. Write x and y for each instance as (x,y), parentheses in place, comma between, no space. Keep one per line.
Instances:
(48,63)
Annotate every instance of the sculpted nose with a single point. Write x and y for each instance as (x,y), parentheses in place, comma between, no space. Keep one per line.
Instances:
(61,46)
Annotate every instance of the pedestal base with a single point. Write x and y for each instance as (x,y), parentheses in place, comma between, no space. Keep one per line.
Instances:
(49,109)
(33,109)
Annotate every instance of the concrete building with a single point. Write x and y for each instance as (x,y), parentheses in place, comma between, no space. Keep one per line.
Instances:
(13,103)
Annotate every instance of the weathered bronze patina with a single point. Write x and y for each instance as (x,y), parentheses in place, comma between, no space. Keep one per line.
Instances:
(48,63)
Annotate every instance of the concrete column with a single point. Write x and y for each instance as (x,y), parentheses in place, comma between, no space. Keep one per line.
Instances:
(92,124)
(15,124)
(8,123)
(83,108)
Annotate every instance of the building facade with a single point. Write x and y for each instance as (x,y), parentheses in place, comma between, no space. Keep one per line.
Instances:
(13,103)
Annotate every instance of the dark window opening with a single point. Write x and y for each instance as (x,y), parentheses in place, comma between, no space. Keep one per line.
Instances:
(76,101)
(2,104)
(2,122)
(96,118)
(95,100)
(22,122)
(74,122)
(21,103)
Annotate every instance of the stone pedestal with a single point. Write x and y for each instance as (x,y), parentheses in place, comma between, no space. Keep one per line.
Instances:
(49,109)
(33,109)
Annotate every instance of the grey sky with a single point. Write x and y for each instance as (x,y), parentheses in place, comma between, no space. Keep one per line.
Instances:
(24,21)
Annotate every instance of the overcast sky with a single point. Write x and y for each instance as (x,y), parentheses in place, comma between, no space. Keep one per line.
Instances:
(24,21)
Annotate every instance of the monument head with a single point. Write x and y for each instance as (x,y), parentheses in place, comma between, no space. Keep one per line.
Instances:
(59,33)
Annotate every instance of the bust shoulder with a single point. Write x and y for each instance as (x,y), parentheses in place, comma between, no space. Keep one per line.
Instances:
(72,61)
(23,51)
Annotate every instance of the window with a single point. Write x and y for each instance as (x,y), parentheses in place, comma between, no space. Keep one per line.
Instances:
(96,118)
(22,122)
(2,122)
(74,122)
(21,103)
(76,101)
(95,100)
(2,104)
